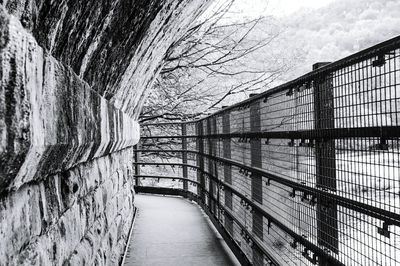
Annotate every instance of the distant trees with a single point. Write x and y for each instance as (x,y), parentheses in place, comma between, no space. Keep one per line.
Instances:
(214,62)
(337,30)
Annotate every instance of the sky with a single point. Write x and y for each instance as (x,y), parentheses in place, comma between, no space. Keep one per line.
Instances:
(276,8)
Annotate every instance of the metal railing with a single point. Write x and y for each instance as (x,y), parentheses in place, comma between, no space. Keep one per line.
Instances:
(306,173)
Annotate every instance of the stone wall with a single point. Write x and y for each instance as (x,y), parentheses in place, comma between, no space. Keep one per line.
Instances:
(77,217)
(73,78)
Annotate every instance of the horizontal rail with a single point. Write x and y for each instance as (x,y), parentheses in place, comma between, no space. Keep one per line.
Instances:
(167,177)
(168,164)
(159,150)
(377,50)
(381,214)
(390,218)
(334,133)
(178,123)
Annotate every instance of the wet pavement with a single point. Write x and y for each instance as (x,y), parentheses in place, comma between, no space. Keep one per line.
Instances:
(174,231)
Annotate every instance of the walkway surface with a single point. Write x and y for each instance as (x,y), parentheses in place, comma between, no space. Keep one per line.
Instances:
(174,231)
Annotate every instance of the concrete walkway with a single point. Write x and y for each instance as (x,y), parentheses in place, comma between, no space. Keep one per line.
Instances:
(174,231)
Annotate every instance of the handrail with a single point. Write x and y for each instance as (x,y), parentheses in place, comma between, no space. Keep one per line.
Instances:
(376,50)
(331,133)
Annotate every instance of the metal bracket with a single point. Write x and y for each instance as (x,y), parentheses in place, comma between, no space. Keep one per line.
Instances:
(291,143)
(242,202)
(269,224)
(382,146)
(303,143)
(312,200)
(244,172)
(380,61)
(244,140)
(312,259)
(384,230)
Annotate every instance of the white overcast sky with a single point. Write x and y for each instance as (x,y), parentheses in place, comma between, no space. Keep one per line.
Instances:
(275,7)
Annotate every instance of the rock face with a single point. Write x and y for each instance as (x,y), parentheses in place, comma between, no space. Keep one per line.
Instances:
(73,78)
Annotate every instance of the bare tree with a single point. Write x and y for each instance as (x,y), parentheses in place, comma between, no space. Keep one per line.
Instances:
(217,60)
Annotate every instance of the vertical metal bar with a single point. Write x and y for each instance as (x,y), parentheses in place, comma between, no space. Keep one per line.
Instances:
(256,179)
(184,156)
(327,224)
(211,169)
(200,161)
(209,164)
(226,128)
(215,165)
(137,166)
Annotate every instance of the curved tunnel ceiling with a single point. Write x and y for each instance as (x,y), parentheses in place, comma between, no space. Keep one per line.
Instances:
(116,46)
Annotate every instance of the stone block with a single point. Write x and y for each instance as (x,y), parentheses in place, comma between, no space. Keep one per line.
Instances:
(51,120)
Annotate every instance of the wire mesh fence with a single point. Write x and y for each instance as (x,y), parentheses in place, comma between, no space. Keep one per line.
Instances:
(306,173)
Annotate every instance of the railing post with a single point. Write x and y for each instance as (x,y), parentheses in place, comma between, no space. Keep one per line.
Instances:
(256,179)
(200,161)
(226,129)
(327,224)
(215,163)
(211,163)
(137,166)
(184,156)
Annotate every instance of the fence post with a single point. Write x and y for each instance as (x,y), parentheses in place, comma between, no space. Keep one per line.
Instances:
(226,129)
(200,161)
(327,224)
(137,166)
(211,164)
(256,179)
(184,156)
(215,165)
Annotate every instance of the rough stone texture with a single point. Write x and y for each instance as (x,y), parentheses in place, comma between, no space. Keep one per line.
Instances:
(80,215)
(49,109)
(73,78)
